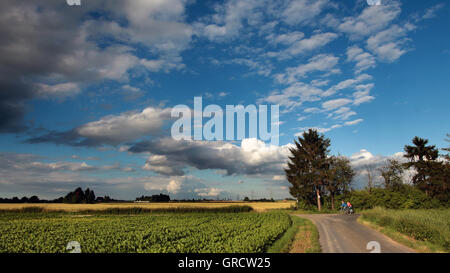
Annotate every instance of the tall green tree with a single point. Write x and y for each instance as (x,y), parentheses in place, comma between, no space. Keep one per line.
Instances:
(440,175)
(340,176)
(308,167)
(89,196)
(392,174)
(77,196)
(422,157)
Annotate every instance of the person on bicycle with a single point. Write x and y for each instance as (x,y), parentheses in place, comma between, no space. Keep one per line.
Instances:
(343,206)
(350,207)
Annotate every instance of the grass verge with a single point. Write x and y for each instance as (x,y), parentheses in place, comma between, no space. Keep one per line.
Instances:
(419,246)
(301,237)
(422,230)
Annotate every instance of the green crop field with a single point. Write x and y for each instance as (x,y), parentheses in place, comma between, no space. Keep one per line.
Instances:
(191,232)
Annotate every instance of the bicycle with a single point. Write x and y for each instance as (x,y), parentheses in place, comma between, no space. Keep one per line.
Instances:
(350,211)
(346,211)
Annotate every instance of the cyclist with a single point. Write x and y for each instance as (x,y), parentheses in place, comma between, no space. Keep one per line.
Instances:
(343,206)
(349,207)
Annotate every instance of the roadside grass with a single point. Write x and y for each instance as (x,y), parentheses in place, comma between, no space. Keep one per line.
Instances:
(422,230)
(301,237)
(419,246)
(307,239)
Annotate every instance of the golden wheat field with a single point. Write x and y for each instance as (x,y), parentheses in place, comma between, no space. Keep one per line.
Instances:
(257,206)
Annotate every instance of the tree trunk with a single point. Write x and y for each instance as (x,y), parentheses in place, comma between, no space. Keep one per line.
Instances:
(318,199)
(332,201)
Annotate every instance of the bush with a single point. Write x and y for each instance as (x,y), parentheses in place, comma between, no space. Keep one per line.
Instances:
(408,198)
(302,205)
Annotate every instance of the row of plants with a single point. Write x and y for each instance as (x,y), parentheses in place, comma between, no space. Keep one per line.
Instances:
(181,233)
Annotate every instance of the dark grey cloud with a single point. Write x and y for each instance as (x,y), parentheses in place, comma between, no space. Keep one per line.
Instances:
(12,104)
(169,156)
(70,138)
(32,44)
(49,49)
(111,130)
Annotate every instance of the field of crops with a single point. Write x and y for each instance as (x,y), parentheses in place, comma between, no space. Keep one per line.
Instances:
(258,206)
(431,225)
(181,233)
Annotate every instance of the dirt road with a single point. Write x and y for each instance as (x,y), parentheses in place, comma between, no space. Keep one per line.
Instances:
(343,234)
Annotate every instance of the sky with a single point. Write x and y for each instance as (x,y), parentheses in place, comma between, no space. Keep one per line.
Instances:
(86,92)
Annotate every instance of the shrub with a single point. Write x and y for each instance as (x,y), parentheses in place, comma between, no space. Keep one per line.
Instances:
(408,198)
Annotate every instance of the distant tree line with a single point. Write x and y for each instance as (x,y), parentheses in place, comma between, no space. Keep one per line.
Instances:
(154,198)
(195,200)
(32,199)
(318,178)
(78,196)
(246,199)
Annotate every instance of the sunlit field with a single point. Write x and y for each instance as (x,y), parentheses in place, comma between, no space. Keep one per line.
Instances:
(191,232)
(257,206)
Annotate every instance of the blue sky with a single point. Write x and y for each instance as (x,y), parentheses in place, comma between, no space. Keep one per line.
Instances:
(86,91)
